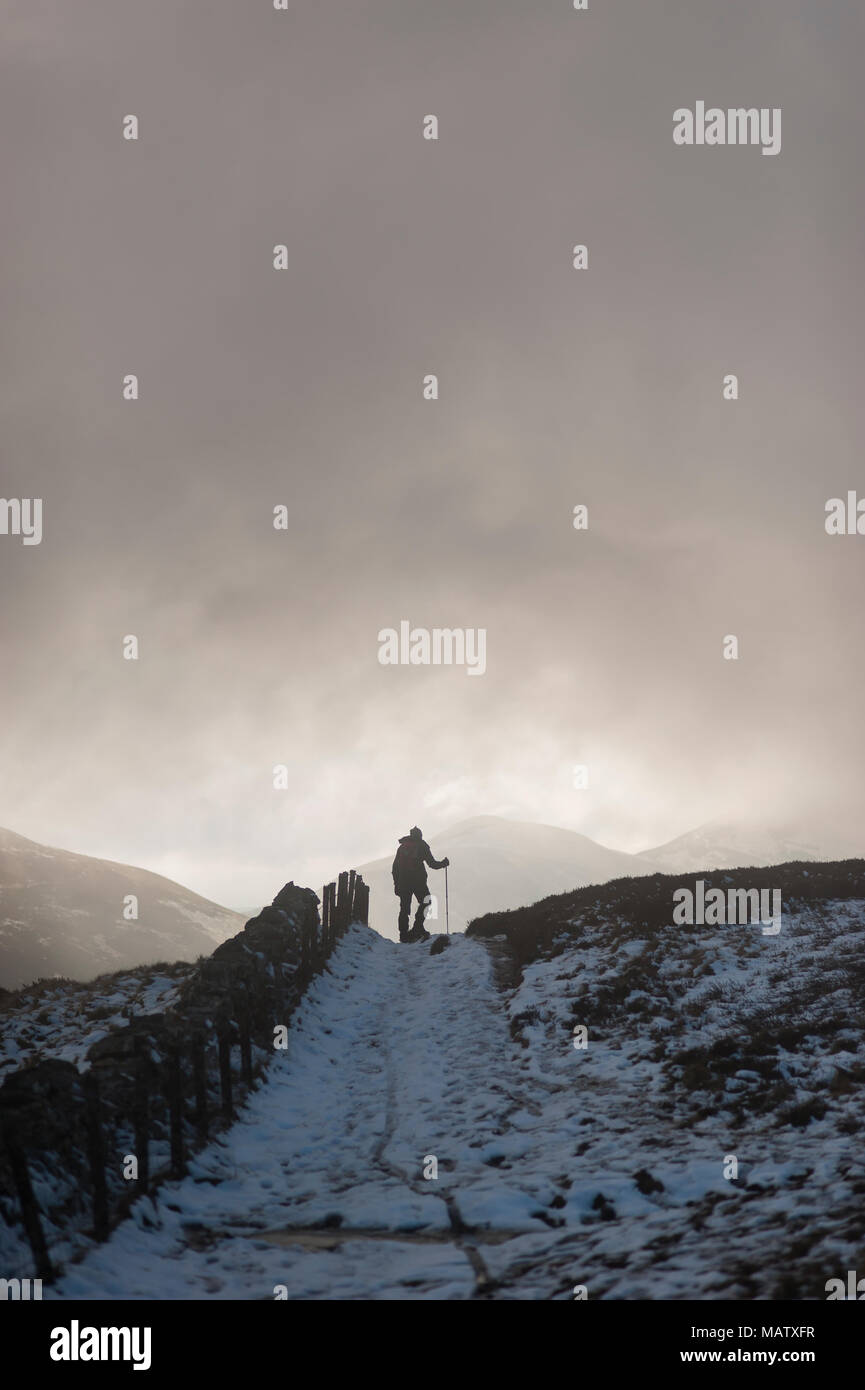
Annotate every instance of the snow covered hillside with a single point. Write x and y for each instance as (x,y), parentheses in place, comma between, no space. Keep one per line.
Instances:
(498,864)
(63,1018)
(704,1043)
(432,1132)
(62,914)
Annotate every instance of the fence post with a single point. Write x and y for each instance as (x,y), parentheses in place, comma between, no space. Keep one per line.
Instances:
(96,1155)
(342,904)
(334,916)
(174,1096)
(245,1048)
(328,923)
(141,1112)
(352,884)
(325,918)
(29,1208)
(199,1075)
(306,953)
(225,1069)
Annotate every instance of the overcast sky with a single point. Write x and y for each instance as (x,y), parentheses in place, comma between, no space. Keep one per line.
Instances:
(303,387)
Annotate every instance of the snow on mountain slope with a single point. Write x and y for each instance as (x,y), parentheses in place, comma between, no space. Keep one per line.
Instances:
(723,845)
(62,914)
(498,864)
(704,1043)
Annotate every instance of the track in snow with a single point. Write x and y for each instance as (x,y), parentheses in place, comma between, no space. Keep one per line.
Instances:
(319,1187)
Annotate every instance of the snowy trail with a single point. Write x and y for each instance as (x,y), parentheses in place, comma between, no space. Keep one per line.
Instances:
(556,1167)
(394,1057)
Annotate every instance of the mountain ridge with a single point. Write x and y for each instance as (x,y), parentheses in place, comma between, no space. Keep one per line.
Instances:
(724,844)
(497,860)
(61,913)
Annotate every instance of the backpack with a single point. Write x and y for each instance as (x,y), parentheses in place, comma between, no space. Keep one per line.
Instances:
(409,858)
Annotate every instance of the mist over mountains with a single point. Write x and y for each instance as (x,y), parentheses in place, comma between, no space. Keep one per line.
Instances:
(514,863)
(728,845)
(62,914)
(493,860)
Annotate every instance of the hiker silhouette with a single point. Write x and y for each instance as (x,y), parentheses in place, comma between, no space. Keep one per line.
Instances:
(410,881)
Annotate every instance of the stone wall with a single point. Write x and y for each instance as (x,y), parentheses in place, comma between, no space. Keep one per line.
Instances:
(158,1088)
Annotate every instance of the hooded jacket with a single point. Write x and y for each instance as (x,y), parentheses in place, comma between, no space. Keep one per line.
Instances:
(409,865)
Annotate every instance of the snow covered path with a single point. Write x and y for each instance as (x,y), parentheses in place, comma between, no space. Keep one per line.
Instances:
(394,1057)
(556,1167)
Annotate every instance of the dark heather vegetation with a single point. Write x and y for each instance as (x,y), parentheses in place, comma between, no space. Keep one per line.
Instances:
(745,1042)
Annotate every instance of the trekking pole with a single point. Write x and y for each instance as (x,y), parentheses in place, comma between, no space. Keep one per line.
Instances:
(447,912)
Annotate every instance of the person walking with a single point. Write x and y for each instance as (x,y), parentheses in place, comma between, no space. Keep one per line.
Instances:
(413,855)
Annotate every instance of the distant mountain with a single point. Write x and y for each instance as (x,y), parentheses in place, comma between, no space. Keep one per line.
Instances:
(62,914)
(722,845)
(498,864)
